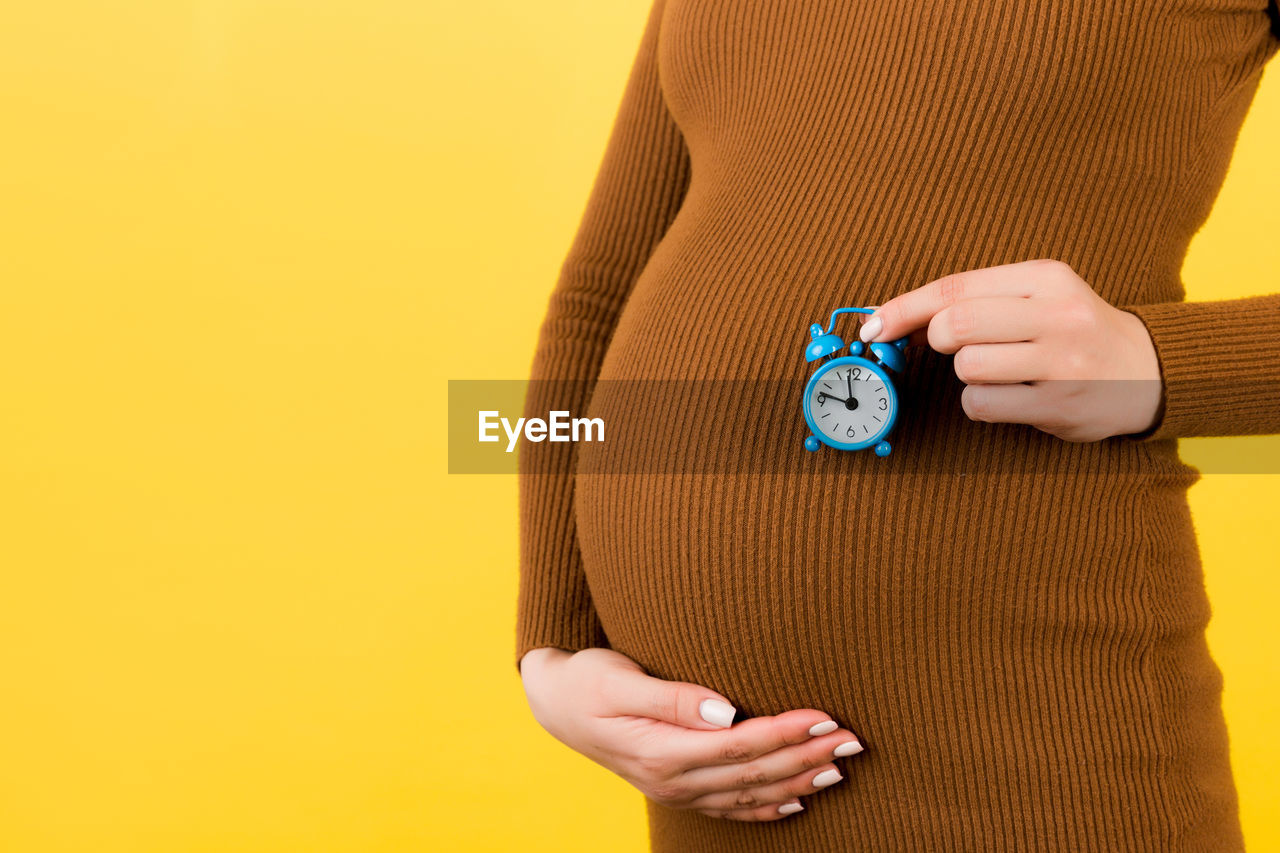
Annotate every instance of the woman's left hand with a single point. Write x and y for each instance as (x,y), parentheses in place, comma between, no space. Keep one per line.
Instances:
(1034,345)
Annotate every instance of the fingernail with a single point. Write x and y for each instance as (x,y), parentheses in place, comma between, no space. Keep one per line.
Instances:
(717,713)
(871,328)
(790,808)
(851,747)
(826,777)
(824,728)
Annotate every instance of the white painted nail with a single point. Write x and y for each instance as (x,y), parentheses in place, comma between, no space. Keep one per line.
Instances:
(790,808)
(871,328)
(824,728)
(717,713)
(851,747)
(826,777)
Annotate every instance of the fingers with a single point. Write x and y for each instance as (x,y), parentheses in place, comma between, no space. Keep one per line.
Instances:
(1013,404)
(787,755)
(996,319)
(771,767)
(752,738)
(632,692)
(914,309)
(749,790)
(759,814)
(1065,408)
(776,793)
(977,364)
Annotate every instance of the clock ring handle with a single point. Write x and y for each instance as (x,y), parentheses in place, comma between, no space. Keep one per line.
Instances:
(831,324)
(900,343)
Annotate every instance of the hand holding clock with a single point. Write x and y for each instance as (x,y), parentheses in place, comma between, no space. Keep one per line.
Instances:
(1031,342)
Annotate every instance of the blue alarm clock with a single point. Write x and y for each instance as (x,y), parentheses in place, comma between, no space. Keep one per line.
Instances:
(850,402)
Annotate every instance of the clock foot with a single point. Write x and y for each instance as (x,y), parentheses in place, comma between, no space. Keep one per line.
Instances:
(811,443)
(883,448)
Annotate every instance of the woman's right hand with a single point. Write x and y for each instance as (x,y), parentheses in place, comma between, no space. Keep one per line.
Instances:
(675,741)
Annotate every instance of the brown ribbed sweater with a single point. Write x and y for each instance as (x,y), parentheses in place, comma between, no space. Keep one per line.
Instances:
(1020,647)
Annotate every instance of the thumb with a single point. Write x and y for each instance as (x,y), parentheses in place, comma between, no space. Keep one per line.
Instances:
(692,706)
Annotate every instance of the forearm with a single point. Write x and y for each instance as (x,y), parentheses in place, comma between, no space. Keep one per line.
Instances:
(1219,366)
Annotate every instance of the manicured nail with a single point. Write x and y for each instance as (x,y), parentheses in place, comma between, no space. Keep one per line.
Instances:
(826,777)
(871,328)
(717,713)
(851,747)
(790,808)
(824,728)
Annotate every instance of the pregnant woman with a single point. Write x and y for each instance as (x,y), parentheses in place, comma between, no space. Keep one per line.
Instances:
(993,638)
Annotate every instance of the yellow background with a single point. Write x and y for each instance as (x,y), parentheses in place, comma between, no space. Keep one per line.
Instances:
(243,245)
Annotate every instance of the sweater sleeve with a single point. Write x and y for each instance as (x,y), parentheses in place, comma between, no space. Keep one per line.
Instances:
(639,187)
(1220,365)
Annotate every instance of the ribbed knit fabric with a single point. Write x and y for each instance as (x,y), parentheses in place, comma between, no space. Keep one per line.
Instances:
(1020,648)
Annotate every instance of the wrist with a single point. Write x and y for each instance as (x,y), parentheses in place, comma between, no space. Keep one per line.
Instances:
(1143,364)
(536,659)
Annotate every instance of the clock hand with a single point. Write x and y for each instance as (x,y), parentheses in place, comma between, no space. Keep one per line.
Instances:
(851,403)
(849,377)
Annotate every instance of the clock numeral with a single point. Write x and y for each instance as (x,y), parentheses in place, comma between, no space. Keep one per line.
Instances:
(855,373)
(850,432)
(884,404)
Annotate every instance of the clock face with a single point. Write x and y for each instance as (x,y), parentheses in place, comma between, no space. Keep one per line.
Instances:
(849,403)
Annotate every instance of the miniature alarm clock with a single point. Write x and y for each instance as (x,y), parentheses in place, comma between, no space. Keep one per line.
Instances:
(850,402)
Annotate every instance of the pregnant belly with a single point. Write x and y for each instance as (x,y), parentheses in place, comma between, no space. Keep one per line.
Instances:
(911,607)
(865,589)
